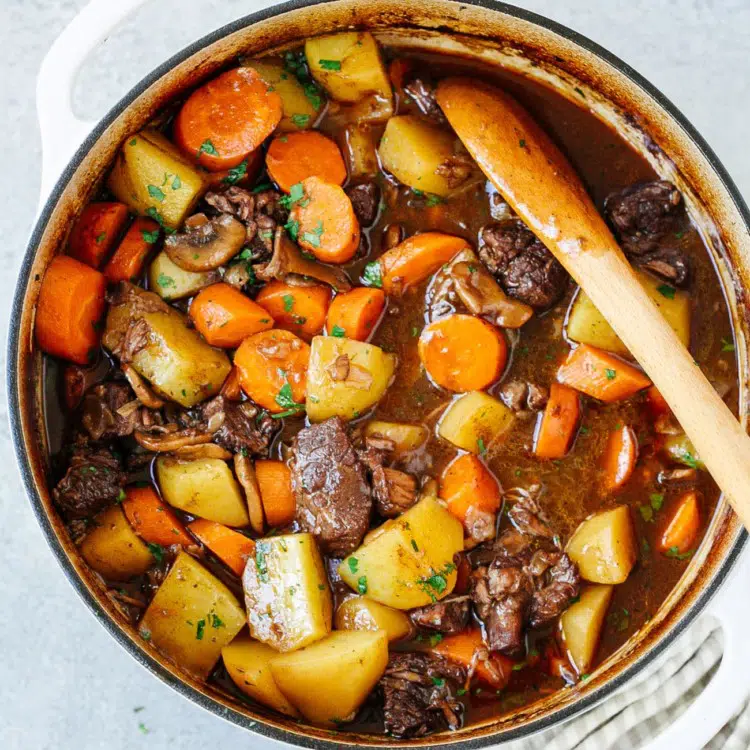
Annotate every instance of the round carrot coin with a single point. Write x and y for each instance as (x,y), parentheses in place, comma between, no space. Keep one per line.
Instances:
(294,157)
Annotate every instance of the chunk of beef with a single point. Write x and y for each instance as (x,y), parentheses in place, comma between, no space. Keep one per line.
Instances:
(93,481)
(522,264)
(525,513)
(421,90)
(447,616)
(394,491)
(110,410)
(667,263)
(456,169)
(643,213)
(552,599)
(365,199)
(333,498)
(419,694)
(523,397)
(244,428)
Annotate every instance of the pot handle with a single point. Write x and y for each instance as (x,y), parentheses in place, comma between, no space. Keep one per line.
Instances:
(729,687)
(61,131)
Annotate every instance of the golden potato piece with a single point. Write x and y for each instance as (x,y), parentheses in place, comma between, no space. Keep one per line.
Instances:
(204,487)
(362,613)
(154,179)
(603,546)
(345,377)
(587,325)
(329,680)
(405,437)
(192,616)
(113,549)
(408,561)
(474,420)
(359,150)
(171,282)
(581,625)
(286,592)
(248,664)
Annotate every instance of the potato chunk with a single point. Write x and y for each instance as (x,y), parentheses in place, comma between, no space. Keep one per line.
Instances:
(299,112)
(204,487)
(362,613)
(152,177)
(329,680)
(113,549)
(248,663)
(405,437)
(581,625)
(603,546)
(360,152)
(286,592)
(348,66)
(474,420)
(345,377)
(171,282)
(408,561)
(192,616)
(587,325)
(417,153)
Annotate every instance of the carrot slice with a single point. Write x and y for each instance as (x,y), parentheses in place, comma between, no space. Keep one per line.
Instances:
(152,519)
(231,388)
(272,368)
(96,232)
(275,482)
(682,526)
(467,483)
(231,547)
(355,314)
(244,174)
(293,157)
(601,375)
(467,648)
(324,222)
(226,119)
(558,422)
(299,309)
(70,305)
(620,456)
(414,260)
(462,353)
(127,262)
(225,316)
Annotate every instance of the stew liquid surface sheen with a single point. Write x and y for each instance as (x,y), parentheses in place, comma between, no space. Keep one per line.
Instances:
(336,430)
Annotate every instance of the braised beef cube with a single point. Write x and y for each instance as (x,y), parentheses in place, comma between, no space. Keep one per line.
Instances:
(421,90)
(110,410)
(330,485)
(365,199)
(669,264)
(643,213)
(447,616)
(244,428)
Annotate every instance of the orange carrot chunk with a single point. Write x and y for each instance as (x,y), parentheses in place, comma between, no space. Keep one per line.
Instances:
(558,423)
(224,316)
(69,308)
(244,174)
(462,353)
(413,260)
(226,119)
(96,231)
(231,547)
(683,525)
(601,375)
(299,309)
(127,262)
(293,157)
(152,519)
(272,368)
(354,315)
(620,456)
(467,483)
(323,221)
(275,482)
(467,648)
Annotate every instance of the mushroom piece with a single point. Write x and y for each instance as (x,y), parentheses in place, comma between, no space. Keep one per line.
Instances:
(171,441)
(142,391)
(206,243)
(243,468)
(288,264)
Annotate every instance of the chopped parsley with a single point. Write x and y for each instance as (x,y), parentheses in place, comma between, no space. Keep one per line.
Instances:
(657,500)
(216,621)
(235,174)
(263,186)
(313,238)
(414,545)
(285,399)
(207,148)
(176,182)
(150,237)
(260,561)
(727,345)
(165,281)
(689,459)
(372,275)
(482,447)
(100,238)
(522,143)
(292,226)
(362,585)
(611,374)
(647,513)
(438,681)
(157,193)
(288,302)
(121,496)
(330,64)
(353,564)
(666,291)
(675,554)
(435,638)
(296,195)
(338,332)
(300,121)
(461,691)
(142,728)
(433,200)
(415,331)
(579,92)
(157,551)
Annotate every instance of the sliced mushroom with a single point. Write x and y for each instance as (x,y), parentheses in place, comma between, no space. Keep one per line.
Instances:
(144,393)
(287,261)
(172,441)
(243,468)
(206,244)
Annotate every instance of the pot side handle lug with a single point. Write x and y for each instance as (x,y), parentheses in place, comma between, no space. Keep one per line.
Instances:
(61,131)
(729,687)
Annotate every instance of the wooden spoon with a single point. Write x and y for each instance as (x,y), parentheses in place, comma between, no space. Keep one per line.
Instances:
(538,182)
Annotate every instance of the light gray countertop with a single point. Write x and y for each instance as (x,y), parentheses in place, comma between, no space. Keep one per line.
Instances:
(63,681)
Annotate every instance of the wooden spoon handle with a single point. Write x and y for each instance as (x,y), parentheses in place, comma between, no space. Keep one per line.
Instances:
(534,177)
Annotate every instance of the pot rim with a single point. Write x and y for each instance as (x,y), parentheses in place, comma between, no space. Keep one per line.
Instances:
(100,613)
